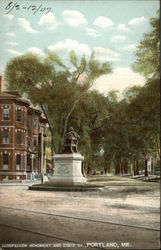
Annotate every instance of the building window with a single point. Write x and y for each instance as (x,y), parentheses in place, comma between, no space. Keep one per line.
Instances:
(6,136)
(6,114)
(5,161)
(18,161)
(34,141)
(18,137)
(19,115)
(34,122)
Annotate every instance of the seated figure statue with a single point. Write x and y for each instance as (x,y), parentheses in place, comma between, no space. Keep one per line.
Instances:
(71,141)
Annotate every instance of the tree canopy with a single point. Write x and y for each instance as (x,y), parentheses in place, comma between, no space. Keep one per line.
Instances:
(57,88)
(148,51)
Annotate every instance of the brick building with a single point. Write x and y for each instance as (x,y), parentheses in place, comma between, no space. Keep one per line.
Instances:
(21,138)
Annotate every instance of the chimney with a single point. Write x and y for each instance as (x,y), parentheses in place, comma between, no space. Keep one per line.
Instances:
(0,84)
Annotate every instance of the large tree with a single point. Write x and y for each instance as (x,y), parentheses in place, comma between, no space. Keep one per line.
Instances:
(57,88)
(148,51)
(143,116)
(145,106)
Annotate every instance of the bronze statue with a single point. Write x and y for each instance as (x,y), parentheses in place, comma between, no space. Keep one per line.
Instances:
(71,141)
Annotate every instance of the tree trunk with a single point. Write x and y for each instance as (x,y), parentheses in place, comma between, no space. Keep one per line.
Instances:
(132,169)
(83,169)
(125,168)
(146,167)
(52,151)
(157,145)
(89,169)
(121,168)
(52,135)
(77,99)
(152,166)
(68,116)
(117,167)
(107,169)
(137,167)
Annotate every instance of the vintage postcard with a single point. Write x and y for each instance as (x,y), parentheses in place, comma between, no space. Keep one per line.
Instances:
(79,124)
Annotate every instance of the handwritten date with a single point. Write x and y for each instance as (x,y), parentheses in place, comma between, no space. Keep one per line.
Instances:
(14,6)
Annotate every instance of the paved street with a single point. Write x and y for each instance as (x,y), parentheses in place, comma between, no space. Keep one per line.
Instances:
(120,216)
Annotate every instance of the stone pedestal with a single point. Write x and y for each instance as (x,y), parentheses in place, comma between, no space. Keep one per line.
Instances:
(68,169)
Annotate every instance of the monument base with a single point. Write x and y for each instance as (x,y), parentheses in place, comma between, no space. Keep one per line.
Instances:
(68,170)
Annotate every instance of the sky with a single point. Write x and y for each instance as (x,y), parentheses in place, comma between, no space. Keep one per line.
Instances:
(112,29)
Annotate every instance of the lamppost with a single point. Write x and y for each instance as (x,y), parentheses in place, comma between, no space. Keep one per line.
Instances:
(32,164)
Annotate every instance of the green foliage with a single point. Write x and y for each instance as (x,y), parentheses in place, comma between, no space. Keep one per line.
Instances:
(131,93)
(111,131)
(148,51)
(112,96)
(144,118)
(95,69)
(54,60)
(26,71)
(49,83)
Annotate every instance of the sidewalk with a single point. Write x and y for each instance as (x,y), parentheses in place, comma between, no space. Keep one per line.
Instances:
(23,183)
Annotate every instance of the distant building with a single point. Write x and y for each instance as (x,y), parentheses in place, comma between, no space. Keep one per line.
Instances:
(22,129)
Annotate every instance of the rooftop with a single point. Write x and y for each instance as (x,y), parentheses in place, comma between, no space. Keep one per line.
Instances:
(14,95)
